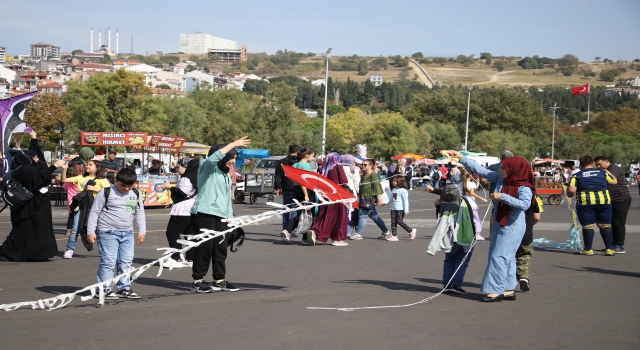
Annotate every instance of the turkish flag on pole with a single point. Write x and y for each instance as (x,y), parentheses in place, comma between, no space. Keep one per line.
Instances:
(314,181)
(580,90)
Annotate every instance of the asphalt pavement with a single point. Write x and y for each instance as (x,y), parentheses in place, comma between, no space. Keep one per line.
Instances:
(574,302)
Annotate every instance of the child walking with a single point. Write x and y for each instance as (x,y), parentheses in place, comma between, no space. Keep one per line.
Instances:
(93,172)
(111,224)
(400,208)
(72,190)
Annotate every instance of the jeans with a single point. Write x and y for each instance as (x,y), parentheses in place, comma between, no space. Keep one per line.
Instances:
(619,220)
(451,262)
(287,198)
(70,220)
(116,250)
(373,214)
(75,231)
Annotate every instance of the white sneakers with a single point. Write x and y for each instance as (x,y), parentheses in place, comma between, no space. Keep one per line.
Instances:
(412,234)
(339,244)
(174,264)
(68,254)
(392,239)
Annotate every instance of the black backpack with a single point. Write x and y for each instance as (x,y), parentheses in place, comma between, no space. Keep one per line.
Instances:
(15,195)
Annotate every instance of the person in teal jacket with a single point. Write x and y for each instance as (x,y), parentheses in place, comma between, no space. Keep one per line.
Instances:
(212,205)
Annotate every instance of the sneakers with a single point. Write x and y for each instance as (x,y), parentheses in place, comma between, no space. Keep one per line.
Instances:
(224,286)
(609,252)
(311,237)
(412,234)
(339,244)
(385,235)
(68,254)
(524,284)
(355,237)
(457,290)
(127,293)
(479,238)
(108,295)
(286,237)
(187,263)
(201,287)
(619,249)
(392,239)
(585,252)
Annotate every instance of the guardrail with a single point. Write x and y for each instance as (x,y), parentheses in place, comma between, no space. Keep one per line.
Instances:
(423,71)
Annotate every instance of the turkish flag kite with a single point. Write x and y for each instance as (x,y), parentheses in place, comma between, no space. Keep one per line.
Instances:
(580,90)
(328,189)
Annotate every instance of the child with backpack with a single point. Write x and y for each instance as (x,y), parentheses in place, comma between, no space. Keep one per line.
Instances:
(111,224)
(399,208)
(94,180)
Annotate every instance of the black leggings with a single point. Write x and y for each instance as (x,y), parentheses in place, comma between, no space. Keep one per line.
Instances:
(179,225)
(299,196)
(210,252)
(396,219)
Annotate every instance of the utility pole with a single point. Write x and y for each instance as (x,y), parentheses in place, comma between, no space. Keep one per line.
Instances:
(553,137)
(466,133)
(326,88)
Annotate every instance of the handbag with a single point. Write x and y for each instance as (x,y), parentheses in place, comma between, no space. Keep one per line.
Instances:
(366,203)
(234,236)
(15,195)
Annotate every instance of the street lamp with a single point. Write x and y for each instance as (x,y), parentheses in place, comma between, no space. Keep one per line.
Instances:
(466,133)
(60,130)
(553,135)
(326,89)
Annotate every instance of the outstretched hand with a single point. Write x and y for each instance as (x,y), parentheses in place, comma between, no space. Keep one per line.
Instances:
(33,134)
(454,154)
(245,141)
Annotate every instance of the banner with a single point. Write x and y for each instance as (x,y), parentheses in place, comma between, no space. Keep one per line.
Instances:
(580,90)
(12,117)
(113,138)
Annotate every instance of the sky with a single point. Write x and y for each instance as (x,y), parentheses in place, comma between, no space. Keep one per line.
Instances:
(587,29)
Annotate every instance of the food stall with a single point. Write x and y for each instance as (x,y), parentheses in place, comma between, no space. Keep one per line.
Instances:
(549,185)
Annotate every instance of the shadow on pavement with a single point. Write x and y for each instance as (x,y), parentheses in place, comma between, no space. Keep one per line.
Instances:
(439,282)
(413,288)
(58,289)
(603,271)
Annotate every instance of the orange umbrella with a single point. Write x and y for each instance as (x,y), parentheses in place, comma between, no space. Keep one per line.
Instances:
(408,155)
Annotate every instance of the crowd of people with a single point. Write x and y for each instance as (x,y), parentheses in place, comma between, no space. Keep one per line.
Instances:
(103,204)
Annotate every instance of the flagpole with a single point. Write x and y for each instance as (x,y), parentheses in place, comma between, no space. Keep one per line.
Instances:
(589,103)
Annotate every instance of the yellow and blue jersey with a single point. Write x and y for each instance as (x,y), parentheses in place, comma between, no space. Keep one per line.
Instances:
(591,186)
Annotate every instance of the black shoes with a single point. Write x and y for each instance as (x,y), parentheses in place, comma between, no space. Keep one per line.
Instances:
(511,296)
(201,287)
(488,299)
(127,293)
(452,288)
(524,284)
(224,286)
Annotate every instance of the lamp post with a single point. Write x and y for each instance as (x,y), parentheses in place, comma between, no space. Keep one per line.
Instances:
(60,130)
(466,133)
(553,134)
(326,89)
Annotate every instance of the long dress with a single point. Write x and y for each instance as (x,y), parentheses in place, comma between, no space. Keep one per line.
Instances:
(31,236)
(332,219)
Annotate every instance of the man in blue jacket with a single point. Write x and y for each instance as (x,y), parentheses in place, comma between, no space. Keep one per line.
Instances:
(212,205)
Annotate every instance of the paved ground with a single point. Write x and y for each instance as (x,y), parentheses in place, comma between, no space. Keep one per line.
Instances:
(575,302)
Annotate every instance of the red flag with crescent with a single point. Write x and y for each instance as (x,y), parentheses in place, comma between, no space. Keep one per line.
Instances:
(320,184)
(580,90)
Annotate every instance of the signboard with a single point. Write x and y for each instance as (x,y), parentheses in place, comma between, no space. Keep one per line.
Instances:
(163,142)
(113,138)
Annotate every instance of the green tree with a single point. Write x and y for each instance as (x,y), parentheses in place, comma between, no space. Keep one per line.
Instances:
(335,109)
(495,141)
(184,118)
(346,130)
(113,102)
(390,135)
(624,121)
(363,67)
(569,61)
(44,115)
(443,137)
(256,87)
(74,52)
(163,86)
(418,55)
(378,64)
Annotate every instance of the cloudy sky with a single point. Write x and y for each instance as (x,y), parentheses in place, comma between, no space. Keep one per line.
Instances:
(606,28)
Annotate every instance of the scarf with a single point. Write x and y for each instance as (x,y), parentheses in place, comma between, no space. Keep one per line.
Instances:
(518,174)
(191,165)
(222,164)
(348,160)
(330,162)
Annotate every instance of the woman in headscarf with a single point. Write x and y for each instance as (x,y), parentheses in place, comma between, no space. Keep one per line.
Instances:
(210,208)
(515,194)
(348,163)
(393,171)
(31,236)
(332,219)
(183,195)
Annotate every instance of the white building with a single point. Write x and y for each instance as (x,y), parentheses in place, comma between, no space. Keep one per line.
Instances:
(8,74)
(5,88)
(376,79)
(3,52)
(44,51)
(635,82)
(201,43)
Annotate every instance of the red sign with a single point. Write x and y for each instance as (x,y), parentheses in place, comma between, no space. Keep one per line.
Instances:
(113,138)
(165,142)
(329,189)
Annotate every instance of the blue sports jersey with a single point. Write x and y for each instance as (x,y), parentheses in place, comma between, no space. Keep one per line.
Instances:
(591,186)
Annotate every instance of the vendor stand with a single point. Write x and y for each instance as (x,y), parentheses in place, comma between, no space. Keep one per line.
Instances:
(549,185)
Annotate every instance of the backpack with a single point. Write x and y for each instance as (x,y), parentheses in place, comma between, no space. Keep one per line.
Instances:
(436,175)
(15,195)
(107,192)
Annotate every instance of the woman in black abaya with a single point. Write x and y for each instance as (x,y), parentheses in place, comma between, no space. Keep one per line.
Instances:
(31,236)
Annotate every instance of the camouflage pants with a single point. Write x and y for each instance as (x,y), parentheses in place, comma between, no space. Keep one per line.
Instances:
(524,255)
